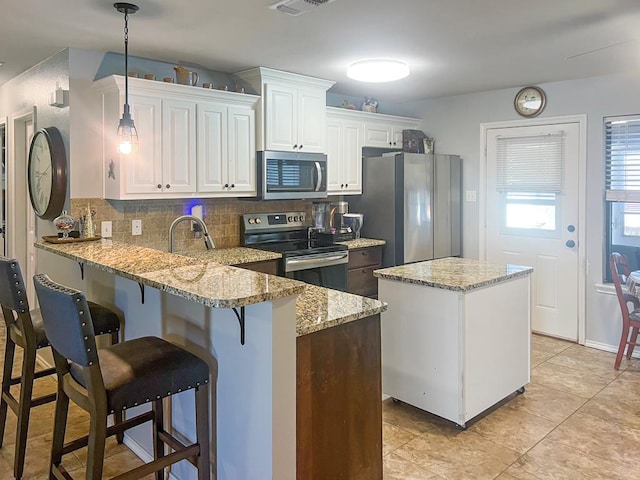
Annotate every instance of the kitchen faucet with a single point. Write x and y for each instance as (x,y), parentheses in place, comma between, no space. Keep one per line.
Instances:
(208,242)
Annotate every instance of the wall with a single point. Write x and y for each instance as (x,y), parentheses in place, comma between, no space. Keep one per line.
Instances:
(455,121)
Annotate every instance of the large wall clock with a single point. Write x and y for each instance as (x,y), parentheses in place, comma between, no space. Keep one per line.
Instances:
(47,173)
(530,101)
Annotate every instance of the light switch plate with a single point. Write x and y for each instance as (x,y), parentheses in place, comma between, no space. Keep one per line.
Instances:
(136,227)
(471,196)
(106,229)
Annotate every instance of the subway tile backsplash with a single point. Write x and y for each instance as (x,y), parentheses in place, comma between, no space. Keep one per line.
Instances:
(221,215)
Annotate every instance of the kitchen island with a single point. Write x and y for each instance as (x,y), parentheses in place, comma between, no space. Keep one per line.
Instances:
(208,308)
(456,335)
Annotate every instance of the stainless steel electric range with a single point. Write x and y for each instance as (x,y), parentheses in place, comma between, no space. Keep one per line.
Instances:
(304,257)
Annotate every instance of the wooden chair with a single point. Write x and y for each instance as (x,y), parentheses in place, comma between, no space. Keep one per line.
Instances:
(27,332)
(113,379)
(620,272)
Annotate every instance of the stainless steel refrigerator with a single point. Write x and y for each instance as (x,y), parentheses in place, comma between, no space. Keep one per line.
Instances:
(413,201)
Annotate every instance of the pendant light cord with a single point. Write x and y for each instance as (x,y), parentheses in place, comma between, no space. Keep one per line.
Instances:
(126,61)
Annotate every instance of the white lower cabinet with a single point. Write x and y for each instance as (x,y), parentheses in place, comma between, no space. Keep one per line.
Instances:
(192,142)
(226,151)
(344,156)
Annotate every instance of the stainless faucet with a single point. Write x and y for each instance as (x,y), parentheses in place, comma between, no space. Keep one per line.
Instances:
(208,242)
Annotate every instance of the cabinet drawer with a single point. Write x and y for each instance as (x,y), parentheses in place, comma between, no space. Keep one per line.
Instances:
(362,282)
(364,257)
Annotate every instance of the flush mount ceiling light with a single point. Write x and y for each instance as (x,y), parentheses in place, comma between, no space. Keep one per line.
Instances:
(127,133)
(378,70)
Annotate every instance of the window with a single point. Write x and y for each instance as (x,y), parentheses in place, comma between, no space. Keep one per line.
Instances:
(530,180)
(622,189)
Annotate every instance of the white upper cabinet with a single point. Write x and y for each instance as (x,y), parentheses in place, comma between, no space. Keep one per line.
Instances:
(292,113)
(226,154)
(344,153)
(192,142)
(385,131)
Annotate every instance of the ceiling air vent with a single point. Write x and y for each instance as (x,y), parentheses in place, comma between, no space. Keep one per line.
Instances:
(298,7)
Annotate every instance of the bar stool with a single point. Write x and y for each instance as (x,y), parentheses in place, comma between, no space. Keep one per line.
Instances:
(112,379)
(620,272)
(27,332)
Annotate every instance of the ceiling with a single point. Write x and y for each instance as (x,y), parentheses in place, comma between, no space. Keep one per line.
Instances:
(452,46)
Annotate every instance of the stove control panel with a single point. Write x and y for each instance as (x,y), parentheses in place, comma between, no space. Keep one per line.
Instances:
(273,221)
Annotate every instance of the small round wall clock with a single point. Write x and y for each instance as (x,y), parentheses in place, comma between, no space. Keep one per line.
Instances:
(47,173)
(530,101)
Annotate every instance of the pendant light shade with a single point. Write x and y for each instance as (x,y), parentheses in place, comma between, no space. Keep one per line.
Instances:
(378,70)
(127,134)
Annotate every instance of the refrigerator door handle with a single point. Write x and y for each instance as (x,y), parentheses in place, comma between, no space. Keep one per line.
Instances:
(319,171)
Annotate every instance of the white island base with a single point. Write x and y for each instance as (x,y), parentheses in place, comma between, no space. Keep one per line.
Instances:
(455,353)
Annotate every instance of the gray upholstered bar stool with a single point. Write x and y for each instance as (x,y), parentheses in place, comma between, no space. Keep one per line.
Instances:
(26,331)
(112,379)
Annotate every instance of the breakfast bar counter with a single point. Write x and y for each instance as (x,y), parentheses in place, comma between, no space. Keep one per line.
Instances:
(286,327)
(456,335)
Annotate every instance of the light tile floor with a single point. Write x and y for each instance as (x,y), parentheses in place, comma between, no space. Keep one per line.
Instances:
(578,419)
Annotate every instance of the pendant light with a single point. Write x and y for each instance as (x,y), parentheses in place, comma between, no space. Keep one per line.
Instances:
(127,134)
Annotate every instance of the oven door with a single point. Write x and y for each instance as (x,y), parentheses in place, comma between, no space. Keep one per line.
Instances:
(327,270)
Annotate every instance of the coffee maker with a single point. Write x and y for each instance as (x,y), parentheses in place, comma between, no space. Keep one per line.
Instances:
(338,209)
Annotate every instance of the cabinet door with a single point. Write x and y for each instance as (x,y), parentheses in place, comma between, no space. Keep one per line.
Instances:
(212,147)
(312,120)
(241,151)
(335,182)
(178,146)
(377,135)
(397,137)
(143,170)
(352,157)
(280,122)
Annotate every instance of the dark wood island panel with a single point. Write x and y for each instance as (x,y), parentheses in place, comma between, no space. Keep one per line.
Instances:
(339,403)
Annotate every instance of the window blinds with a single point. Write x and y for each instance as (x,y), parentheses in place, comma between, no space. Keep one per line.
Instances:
(531,164)
(622,159)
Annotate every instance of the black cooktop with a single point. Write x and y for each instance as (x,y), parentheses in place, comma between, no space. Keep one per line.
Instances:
(299,247)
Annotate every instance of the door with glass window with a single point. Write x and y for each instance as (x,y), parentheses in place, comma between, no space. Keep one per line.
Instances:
(532,205)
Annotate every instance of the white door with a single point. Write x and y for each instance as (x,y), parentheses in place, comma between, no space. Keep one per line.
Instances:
(144,168)
(212,147)
(531,222)
(281,122)
(312,123)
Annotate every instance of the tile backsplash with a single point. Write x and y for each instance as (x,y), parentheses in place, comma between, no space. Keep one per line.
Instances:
(221,215)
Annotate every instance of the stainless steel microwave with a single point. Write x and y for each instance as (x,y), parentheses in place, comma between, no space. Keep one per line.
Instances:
(291,175)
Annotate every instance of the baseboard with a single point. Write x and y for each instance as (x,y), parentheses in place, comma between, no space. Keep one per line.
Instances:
(607,348)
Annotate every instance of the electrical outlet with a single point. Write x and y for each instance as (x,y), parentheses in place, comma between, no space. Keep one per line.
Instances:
(105,229)
(471,195)
(136,227)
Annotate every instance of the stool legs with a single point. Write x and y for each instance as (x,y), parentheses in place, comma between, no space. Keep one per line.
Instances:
(202,432)
(97,439)
(59,428)
(9,353)
(24,409)
(158,426)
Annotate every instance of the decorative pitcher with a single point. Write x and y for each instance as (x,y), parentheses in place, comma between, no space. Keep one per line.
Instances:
(185,77)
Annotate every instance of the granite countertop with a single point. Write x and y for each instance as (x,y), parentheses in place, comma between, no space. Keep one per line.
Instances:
(233,255)
(210,283)
(363,243)
(319,308)
(458,274)
(204,282)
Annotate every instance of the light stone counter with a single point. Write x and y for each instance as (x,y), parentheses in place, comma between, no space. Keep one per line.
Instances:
(363,243)
(452,273)
(234,255)
(319,308)
(209,283)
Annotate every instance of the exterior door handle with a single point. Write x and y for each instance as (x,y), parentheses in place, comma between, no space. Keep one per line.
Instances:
(570,243)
